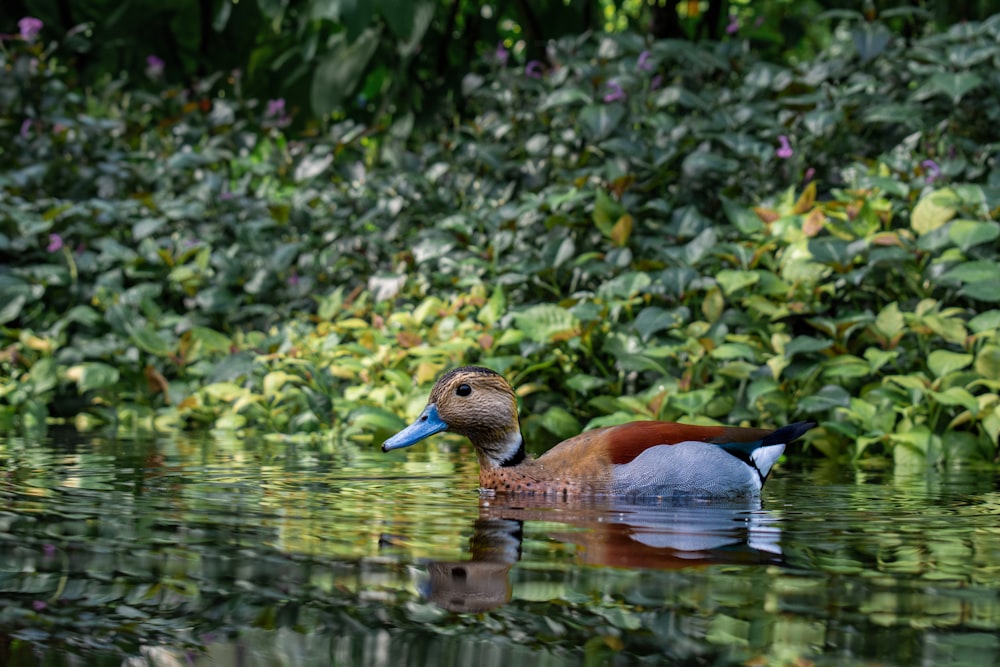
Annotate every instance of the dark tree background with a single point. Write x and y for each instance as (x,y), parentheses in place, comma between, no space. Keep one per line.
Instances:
(375,59)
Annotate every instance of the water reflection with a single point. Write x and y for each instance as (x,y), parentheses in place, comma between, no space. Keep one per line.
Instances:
(603,532)
(246,552)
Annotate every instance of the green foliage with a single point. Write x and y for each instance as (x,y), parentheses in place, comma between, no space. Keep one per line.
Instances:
(589,231)
(401,62)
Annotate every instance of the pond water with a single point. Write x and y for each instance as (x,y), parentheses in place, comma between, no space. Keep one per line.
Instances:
(219,551)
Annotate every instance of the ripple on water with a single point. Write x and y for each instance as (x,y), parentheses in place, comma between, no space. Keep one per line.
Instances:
(119,548)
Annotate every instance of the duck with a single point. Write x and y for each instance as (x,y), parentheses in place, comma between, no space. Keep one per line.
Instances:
(639,459)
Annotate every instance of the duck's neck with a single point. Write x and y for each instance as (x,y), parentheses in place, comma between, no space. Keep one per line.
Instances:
(506,451)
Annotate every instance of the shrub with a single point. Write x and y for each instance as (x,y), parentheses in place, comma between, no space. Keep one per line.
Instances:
(665,230)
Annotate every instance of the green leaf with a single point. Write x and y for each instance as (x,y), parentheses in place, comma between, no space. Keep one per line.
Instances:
(607,212)
(93,375)
(374,418)
(890,321)
(956,396)
(973,272)
(560,422)
(624,286)
(847,366)
(494,308)
(409,20)
(827,398)
(147,227)
(912,382)
(598,121)
(680,96)
(44,375)
(952,329)
(699,164)
(12,308)
(986,290)
(731,281)
(741,217)
(564,97)
(896,114)
(942,362)
(987,321)
(761,386)
(282,256)
(988,362)
(584,384)
(544,322)
(933,210)
(831,251)
(274,381)
(877,358)
(653,319)
(225,391)
(210,339)
(728,351)
(692,402)
(910,448)
(870,39)
(150,342)
(806,344)
(954,85)
(967,234)
(339,71)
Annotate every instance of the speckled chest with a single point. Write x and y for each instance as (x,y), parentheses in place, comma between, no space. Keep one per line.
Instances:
(534,481)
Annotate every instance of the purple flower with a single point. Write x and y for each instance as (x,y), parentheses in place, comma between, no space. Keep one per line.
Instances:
(39,605)
(274,115)
(810,172)
(533,69)
(275,108)
(785,150)
(734,24)
(932,169)
(502,54)
(293,279)
(616,92)
(656,82)
(30,27)
(48,549)
(55,243)
(154,67)
(643,64)
(26,128)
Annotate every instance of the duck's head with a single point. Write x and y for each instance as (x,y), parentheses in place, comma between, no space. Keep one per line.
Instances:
(475,402)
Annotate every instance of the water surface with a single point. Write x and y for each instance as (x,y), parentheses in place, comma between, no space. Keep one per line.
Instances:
(248,552)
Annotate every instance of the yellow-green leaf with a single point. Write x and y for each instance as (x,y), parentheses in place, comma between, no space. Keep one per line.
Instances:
(942,362)
(889,321)
(622,230)
(933,211)
(988,362)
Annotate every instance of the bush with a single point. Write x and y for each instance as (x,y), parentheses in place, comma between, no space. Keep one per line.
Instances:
(668,231)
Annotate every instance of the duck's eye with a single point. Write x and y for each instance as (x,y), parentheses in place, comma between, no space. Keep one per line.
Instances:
(463,390)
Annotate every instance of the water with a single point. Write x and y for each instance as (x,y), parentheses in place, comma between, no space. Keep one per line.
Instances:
(248,552)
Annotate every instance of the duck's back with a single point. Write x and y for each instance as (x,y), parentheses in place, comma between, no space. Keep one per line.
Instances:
(650,458)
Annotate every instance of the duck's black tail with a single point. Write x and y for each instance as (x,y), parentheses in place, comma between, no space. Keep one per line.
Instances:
(787,434)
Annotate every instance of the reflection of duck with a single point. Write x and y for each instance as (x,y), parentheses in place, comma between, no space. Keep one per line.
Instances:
(644,458)
(480,583)
(606,532)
